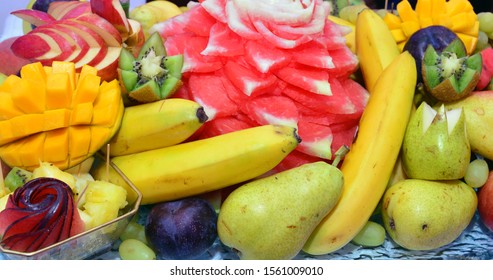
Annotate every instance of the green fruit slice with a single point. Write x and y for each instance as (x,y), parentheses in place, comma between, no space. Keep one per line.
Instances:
(152,75)
(450,75)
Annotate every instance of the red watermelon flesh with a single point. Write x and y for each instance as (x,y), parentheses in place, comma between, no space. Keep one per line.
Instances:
(295,159)
(254,66)
(223,41)
(264,57)
(316,139)
(249,81)
(272,109)
(310,79)
(209,92)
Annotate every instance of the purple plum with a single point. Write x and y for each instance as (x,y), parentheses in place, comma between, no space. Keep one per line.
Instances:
(181,229)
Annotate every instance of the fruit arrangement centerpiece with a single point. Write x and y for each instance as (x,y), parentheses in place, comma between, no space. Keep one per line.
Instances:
(266,130)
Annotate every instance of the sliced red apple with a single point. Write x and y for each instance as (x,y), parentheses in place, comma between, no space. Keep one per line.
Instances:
(34,17)
(80,9)
(65,44)
(136,38)
(58,9)
(10,62)
(107,68)
(81,46)
(101,26)
(97,46)
(33,46)
(113,12)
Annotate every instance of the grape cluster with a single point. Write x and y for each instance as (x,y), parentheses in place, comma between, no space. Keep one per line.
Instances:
(485,36)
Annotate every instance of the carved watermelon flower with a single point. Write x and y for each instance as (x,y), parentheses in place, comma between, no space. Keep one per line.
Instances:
(257,62)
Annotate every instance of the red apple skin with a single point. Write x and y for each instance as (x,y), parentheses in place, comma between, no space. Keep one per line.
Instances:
(112,11)
(58,9)
(485,202)
(81,8)
(10,63)
(37,18)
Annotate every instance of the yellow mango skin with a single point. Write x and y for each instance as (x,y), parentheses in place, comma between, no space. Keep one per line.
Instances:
(426,215)
(478,109)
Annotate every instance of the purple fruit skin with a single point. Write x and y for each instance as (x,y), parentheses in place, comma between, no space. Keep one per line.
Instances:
(438,36)
(181,229)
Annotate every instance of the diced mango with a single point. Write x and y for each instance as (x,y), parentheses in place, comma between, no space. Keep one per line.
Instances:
(65,67)
(29,96)
(8,109)
(6,134)
(99,137)
(79,141)
(392,21)
(10,152)
(463,21)
(406,12)
(107,104)
(424,8)
(27,124)
(84,71)
(31,152)
(87,90)
(56,145)
(33,71)
(58,91)
(57,118)
(398,35)
(82,114)
(9,83)
(409,27)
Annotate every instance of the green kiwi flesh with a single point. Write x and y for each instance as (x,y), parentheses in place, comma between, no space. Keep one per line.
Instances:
(451,74)
(145,79)
(16,178)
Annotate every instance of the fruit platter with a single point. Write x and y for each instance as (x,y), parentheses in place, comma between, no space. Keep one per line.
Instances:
(247,129)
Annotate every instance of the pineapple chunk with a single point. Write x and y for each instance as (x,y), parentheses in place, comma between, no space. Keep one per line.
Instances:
(46,169)
(102,201)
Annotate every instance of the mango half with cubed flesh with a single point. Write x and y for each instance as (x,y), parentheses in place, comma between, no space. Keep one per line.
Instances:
(53,114)
(152,75)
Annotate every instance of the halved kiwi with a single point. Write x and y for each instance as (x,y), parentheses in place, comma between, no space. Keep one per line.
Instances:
(450,75)
(152,75)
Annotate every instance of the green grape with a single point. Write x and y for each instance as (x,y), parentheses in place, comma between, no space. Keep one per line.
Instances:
(371,235)
(477,173)
(350,13)
(134,231)
(483,41)
(486,22)
(133,249)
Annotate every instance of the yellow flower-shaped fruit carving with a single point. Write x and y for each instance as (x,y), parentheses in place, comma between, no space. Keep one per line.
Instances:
(53,114)
(457,15)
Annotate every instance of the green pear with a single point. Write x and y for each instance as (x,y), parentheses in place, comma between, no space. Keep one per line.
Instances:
(425,215)
(478,109)
(435,146)
(272,217)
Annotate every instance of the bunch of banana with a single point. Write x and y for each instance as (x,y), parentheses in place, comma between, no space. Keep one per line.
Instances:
(157,124)
(375,46)
(153,12)
(370,162)
(201,166)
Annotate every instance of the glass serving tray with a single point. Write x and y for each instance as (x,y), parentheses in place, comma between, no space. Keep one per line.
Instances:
(475,243)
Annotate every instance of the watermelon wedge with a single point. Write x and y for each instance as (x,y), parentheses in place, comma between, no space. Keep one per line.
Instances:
(256,62)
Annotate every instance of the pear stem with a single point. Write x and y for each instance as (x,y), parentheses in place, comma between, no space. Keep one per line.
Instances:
(339,154)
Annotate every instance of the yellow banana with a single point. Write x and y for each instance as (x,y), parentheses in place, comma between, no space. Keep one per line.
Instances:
(203,165)
(370,161)
(157,124)
(375,46)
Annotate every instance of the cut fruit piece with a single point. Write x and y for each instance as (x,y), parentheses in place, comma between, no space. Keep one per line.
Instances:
(317,140)
(62,132)
(272,109)
(151,76)
(451,74)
